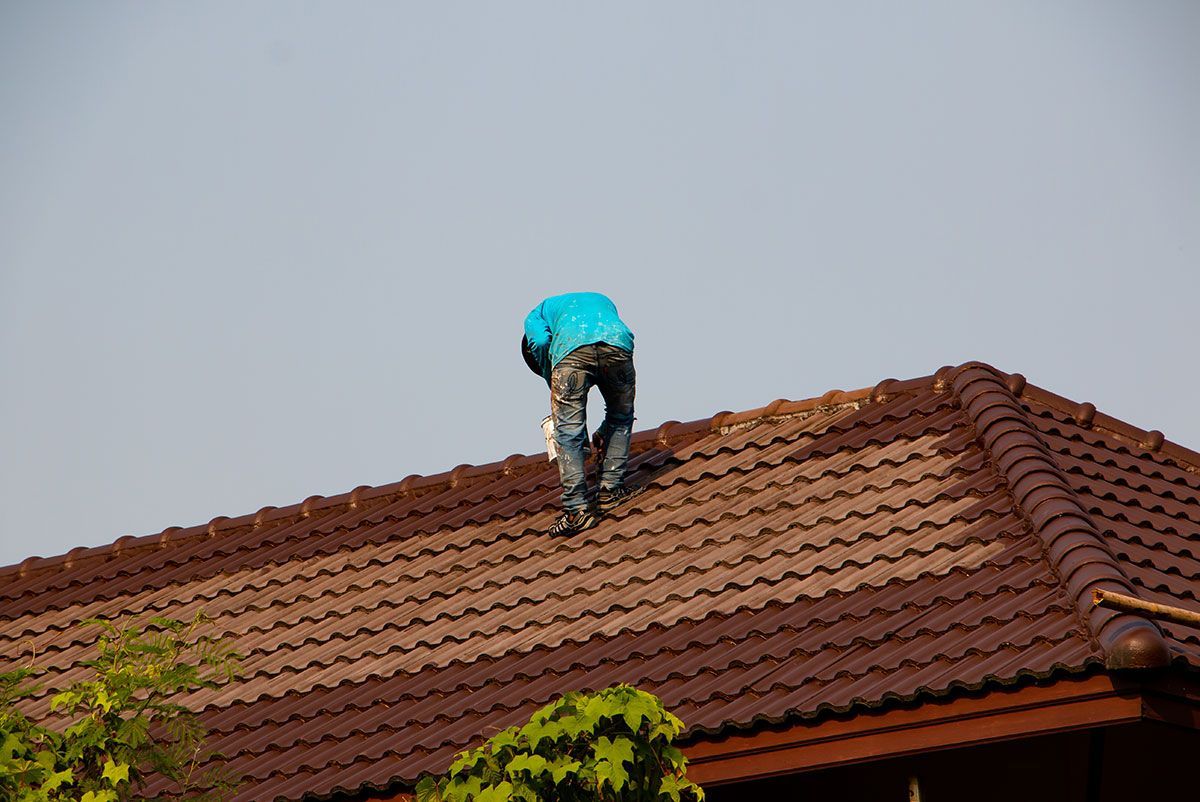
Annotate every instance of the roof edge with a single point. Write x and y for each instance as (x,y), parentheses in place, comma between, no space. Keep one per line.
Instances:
(668,433)
(1085,415)
(1073,545)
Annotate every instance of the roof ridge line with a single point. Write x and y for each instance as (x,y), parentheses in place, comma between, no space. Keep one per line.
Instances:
(1073,545)
(665,434)
(1087,416)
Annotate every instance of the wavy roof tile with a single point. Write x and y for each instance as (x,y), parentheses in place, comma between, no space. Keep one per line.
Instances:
(917,540)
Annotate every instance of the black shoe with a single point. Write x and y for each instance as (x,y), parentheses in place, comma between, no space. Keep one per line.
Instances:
(570,523)
(609,500)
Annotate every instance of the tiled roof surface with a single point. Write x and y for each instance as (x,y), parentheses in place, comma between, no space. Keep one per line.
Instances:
(901,543)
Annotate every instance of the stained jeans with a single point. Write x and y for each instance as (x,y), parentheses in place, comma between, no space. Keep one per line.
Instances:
(611,369)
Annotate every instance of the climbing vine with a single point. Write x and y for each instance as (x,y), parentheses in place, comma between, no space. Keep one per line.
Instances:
(614,745)
(121,726)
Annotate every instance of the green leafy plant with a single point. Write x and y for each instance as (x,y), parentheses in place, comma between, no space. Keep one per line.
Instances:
(614,745)
(121,727)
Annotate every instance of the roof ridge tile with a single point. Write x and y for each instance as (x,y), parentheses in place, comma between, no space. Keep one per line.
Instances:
(1085,414)
(1072,543)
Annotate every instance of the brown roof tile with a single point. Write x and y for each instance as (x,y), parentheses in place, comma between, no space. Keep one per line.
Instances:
(910,541)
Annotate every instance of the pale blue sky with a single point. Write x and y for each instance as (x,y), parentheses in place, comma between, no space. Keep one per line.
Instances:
(250,252)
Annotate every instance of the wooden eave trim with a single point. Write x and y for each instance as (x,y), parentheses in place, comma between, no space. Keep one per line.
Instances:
(998,716)
(1006,714)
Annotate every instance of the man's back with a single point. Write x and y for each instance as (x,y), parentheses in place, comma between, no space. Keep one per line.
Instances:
(562,323)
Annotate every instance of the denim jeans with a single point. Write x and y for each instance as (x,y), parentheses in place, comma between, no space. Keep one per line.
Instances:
(611,369)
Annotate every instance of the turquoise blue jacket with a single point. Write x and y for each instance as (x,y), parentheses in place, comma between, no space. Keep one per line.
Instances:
(559,325)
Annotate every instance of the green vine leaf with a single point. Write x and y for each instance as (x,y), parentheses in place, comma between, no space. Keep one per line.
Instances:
(495,793)
(637,710)
(534,764)
(115,773)
(614,745)
(611,757)
(561,768)
(429,790)
(99,796)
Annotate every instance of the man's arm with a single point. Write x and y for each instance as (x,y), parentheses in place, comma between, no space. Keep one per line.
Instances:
(537,333)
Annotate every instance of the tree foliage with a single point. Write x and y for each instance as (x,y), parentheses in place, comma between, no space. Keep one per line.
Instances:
(120,727)
(614,745)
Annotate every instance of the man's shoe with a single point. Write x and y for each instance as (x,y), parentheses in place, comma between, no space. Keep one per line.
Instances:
(570,523)
(609,500)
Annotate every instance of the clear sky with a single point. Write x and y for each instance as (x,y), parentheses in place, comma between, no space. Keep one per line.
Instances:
(250,252)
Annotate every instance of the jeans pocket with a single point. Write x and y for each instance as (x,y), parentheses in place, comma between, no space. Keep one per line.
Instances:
(567,384)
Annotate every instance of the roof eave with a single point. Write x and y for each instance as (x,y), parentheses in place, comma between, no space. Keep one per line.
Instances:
(1001,715)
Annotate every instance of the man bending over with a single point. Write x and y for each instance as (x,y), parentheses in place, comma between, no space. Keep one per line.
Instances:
(575,341)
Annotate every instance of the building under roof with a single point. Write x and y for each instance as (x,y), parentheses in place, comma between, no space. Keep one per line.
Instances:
(836,595)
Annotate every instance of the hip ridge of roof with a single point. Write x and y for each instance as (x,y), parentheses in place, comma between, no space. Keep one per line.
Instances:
(1072,543)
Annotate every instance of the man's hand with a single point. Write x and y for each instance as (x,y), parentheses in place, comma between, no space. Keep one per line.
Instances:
(599,445)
